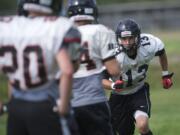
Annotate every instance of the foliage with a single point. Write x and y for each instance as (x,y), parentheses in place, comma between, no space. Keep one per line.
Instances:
(105,2)
(7,5)
(11,4)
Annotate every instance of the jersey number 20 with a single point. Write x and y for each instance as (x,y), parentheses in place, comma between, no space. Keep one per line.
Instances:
(10,69)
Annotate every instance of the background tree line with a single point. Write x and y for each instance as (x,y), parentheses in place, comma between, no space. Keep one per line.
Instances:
(6,5)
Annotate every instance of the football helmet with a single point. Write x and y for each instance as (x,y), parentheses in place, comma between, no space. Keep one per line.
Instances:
(20,9)
(128,28)
(82,10)
(44,6)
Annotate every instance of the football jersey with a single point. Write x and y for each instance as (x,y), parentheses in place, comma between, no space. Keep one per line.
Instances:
(134,70)
(28,47)
(97,41)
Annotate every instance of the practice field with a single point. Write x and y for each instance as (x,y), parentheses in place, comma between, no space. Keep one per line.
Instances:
(165,114)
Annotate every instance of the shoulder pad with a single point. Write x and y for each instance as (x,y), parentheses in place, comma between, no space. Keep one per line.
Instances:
(118,50)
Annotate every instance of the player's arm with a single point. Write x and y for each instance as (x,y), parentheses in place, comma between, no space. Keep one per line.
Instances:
(4,106)
(65,83)
(113,69)
(112,66)
(106,80)
(108,84)
(107,43)
(166,76)
(68,61)
(163,60)
(161,53)
(72,42)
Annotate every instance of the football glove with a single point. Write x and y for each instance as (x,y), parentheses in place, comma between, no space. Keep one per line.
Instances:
(167,81)
(117,85)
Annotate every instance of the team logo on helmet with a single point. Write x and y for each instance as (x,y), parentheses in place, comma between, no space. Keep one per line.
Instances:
(82,10)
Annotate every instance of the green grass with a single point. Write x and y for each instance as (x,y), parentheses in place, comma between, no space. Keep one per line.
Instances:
(165,114)
(171,40)
(3,125)
(165,118)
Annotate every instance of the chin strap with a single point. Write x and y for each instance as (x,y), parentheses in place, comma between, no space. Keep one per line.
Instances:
(132,53)
(148,133)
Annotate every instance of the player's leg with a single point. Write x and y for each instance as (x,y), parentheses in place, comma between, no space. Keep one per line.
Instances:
(142,123)
(69,125)
(42,120)
(142,105)
(122,114)
(15,123)
(94,119)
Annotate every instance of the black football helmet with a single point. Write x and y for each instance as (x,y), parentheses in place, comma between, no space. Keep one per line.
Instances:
(128,28)
(82,10)
(20,10)
(44,6)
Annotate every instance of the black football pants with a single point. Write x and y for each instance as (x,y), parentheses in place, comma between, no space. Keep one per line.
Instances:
(35,118)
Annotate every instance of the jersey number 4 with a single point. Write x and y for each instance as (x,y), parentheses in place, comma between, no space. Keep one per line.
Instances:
(85,58)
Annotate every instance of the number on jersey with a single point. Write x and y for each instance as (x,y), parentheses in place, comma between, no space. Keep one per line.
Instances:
(11,69)
(85,58)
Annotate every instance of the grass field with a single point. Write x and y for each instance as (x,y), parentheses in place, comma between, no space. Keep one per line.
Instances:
(165,114)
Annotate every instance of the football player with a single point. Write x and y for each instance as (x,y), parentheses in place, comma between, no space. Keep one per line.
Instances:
(32,51)
(89,99)
(129,100)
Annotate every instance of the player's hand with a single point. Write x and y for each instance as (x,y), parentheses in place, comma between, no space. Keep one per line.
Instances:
(117,85)
(167,81)
(61,110)
(3,108)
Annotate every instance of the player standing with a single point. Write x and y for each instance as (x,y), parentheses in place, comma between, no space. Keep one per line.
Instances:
(89,99)
(130,100)
(32,50)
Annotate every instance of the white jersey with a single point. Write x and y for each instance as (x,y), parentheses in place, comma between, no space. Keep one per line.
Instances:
(98,42)
(134,70)
(28,47)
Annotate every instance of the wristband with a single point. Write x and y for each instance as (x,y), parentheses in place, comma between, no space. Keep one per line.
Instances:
(164,73)
(112,86)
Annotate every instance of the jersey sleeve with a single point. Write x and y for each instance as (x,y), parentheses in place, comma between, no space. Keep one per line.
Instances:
(72,42)
(106,43)
(159,47)
(152,44)
(59,31)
